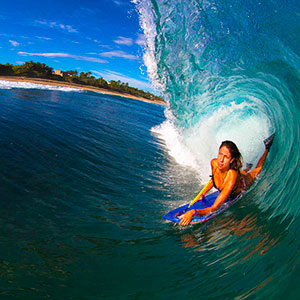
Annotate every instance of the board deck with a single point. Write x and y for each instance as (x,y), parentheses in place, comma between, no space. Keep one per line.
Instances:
(207,201)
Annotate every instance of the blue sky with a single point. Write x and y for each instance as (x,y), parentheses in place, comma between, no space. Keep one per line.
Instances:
(101,36)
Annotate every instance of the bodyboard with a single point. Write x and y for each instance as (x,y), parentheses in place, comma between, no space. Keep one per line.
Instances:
(207,201)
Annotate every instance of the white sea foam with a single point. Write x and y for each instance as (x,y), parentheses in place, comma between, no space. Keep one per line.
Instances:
(5,84)
(147,24)
(197,145)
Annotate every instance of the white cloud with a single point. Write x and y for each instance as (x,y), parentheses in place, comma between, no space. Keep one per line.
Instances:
(56,25)
(14,43)
(105,46)
(44,38)
(119,53)
(141,41)
(88,11)
(124,41)
(52,55)
(111,75)
(120,2)
(98,43)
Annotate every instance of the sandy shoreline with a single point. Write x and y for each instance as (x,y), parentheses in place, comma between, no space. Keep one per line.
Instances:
(76,86)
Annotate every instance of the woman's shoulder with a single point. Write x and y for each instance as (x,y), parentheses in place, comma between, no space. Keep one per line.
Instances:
(232,173)
(213,162)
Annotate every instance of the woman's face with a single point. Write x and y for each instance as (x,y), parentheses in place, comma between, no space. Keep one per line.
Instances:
(224,159)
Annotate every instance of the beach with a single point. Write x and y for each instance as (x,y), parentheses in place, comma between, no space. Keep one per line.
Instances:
(77,86)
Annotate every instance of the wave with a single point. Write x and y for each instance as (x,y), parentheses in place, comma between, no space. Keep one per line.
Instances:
(228,71)
(7,85)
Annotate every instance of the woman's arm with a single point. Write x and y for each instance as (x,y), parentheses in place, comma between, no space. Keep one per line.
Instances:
(224,194)
(187,217)
(206,189)
(210,184)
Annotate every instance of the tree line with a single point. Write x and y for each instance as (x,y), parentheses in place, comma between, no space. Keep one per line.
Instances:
(41,70)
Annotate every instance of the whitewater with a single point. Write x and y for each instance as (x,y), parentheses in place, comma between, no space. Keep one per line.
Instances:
(86,177)
(229,70)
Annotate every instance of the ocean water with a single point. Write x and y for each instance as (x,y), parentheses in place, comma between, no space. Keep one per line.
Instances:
(82,179)
(86,178)
(230,70)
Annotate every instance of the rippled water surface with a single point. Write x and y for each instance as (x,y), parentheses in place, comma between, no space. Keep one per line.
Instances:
(230,70)
(85,181)
(86,178)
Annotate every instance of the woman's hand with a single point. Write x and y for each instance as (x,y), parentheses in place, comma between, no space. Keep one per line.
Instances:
(187,217)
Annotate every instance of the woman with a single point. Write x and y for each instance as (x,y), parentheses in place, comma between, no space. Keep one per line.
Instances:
(227,177)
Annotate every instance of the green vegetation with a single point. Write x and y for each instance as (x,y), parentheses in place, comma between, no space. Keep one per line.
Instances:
(39,70)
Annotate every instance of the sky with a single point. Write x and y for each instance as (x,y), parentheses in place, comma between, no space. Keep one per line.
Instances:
(98,36)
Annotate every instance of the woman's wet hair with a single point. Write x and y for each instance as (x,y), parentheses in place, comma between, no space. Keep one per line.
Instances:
(235,153)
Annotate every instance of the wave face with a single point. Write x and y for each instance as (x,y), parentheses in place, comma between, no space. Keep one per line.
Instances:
(230,70)
(227,70)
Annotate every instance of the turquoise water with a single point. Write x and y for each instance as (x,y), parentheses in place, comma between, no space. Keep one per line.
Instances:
(85,181)
(77,185)
(86,178)
(230,70)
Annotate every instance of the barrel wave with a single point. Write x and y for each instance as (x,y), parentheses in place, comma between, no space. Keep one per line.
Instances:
(86,178)
(230,70)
